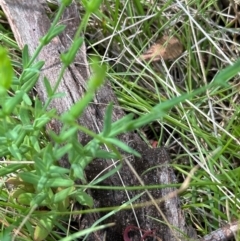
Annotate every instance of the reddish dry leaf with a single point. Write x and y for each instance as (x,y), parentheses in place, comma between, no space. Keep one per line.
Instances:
(168,48)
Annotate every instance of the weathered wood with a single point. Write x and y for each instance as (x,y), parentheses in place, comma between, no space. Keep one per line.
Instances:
(226,233)
(29,23)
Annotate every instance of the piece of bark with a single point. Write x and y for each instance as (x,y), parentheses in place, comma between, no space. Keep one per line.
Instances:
(225,233)
(29,23)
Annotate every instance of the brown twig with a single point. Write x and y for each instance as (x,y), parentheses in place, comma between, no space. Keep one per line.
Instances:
(223,234)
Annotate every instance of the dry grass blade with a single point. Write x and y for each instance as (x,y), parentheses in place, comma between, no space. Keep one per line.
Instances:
(168,48)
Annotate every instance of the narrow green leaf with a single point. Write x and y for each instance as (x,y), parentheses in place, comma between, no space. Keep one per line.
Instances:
(161,110)
(27,100)
(76,110)
(40,166)
(84,199)
(98,77)
(30,76)
(91,148)
(105,154)
(78,171)
(28,85)
(10,169)
(123,146)
(41,121)
(3,140)
(38,199)
(12,103)
(58,170)
(29,177)
(48,87)
(94,83)
(63,150)
(25,56)
(13,149)
(37,66)
(226,74)
(42,182)
(24,115)
(68,58)
(35,143)
(38,108)
(66,134)
(108,120)
(6,234)
(56,30)
(78,146)
(6,70)
(62,195)
(43,228)
(48,156)
(59,182)
(120,124)
(15,81)
(58,95)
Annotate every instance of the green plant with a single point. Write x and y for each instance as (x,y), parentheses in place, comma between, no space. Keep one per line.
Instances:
(41,189)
